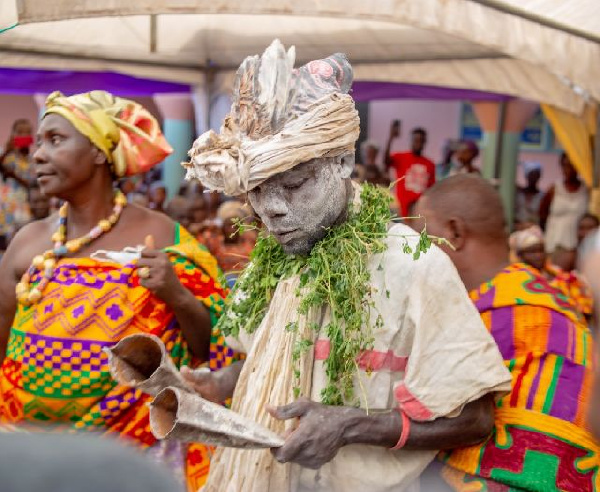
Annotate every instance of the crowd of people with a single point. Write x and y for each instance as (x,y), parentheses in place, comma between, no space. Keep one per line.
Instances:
(557,217)
(436,350)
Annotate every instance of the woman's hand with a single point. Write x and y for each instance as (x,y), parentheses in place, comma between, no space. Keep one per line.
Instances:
(158,276)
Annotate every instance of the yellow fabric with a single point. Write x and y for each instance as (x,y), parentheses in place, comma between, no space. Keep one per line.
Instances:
(123,130)
(573,133)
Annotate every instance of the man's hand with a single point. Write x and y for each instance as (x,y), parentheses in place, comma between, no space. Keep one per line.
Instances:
(207,384)
(214,386)
(318,436)
(157,275)
(394,134)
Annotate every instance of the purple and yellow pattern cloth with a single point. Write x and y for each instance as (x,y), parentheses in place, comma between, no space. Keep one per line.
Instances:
(541,441)
(55,372)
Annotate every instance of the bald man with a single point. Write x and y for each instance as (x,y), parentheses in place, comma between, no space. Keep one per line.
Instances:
(540,441)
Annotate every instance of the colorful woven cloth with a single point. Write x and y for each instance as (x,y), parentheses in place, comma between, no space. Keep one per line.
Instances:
(125,131)
(540,442)
(55,371)
(572,285)
(14,200)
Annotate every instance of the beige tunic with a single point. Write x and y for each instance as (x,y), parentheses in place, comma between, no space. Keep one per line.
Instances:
(431,357)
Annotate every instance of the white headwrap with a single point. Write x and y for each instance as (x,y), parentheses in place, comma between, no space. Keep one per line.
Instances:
(520,240)
(280,117)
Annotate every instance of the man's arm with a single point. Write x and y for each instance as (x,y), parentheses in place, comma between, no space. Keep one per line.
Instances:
(323,430)
(394,133)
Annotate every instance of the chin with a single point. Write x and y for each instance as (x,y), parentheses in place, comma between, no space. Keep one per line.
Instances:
(50,188)
(300,247)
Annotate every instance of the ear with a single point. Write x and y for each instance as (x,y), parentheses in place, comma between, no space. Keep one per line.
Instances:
(347,165)
(98,156)
(457,232)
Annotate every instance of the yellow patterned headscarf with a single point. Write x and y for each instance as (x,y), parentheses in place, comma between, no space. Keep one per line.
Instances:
(123,130)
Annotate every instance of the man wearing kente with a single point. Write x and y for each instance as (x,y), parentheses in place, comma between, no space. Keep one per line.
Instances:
(83,279)
(383,359)
(541,441)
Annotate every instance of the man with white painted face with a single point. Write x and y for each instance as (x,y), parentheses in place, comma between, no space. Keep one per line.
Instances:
(368,361)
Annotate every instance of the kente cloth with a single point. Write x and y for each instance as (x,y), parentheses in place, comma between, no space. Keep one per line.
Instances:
(540,441)
(55,372)
(123,130)
(430,356)
(574,286)
(280,117)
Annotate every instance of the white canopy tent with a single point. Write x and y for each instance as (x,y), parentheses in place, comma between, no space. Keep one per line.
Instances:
(544,50)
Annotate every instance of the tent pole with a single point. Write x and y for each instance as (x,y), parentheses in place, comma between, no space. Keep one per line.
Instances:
(499,138)
(596,149)
(153,33)
(538,19)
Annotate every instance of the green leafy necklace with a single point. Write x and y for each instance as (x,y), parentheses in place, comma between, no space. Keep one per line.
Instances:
(335,273)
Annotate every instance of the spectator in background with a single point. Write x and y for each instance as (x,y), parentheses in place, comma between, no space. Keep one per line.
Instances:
(229,246)
(414,172)
(466,153)
(16,160)
(587,225)
(529,198)
(157,196)
(368,170)
(180,210)
(18,174)
(199,211)
(562,207)
(443,169)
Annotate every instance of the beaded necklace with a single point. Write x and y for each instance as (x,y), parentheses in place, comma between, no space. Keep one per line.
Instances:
(46,262)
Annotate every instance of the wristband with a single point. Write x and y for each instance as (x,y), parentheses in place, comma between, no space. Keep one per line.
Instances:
(405,430)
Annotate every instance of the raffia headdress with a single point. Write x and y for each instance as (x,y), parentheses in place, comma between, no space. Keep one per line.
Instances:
(280,117)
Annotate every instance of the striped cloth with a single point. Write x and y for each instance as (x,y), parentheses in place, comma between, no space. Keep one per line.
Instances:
(55,374)
(540,442)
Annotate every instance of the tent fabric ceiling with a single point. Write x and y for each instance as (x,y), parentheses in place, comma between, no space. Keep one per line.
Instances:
(579,15)
(528,48)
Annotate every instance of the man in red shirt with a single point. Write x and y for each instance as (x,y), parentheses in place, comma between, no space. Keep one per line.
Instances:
(414,172)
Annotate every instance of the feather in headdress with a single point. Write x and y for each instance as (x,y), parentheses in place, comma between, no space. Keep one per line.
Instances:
(263,92)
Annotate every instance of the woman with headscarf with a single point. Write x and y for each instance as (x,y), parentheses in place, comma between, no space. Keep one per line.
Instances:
(97,271)
(562,207)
